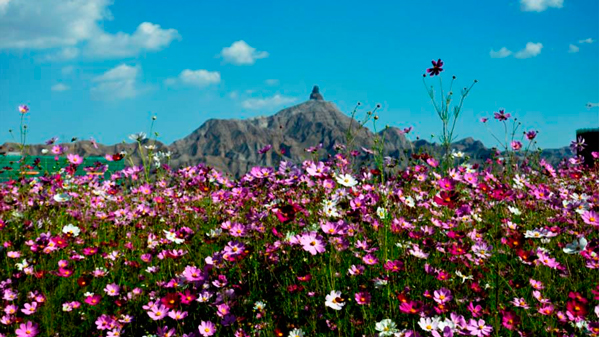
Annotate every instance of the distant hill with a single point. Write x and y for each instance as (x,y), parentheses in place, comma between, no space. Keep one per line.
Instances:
(233,146)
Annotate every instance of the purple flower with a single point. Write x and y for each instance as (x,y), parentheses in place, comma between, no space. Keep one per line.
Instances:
(23,109)
(437,68)
(501,116)
(531,134)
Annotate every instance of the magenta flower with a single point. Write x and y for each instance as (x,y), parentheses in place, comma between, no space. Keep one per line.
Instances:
(516,145)
(23,109)
(93,299)
(207,328)
(436,69)
(501,116)
(362,297)
(370,259)
(531,134)
(28,329)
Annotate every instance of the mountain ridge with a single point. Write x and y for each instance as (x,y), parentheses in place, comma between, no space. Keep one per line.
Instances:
(234,145)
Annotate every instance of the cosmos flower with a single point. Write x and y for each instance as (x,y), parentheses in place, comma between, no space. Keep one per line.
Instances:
(74,159)
(207,328)
(346,180)
(501,116)
(386,327)
(436,69)
(334,300)
(23,109)
(28,329)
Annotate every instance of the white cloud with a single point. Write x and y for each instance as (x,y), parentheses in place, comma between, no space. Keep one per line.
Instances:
(588,40)
(50,23)
(531,50)
(502,53)
(64,54)
(234,94)
(68,70)
(147,37)
(198,78)
(60,87)
(68,26)
(573,48)
(272,81)
(240,53)
(540,5)
(267,103)
(117,83)
(3,5)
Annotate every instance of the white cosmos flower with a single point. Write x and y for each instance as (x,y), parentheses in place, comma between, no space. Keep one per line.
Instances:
(334,300)
(381,212)
(576,246)
(71,230)
(22,265)
(62,197)
(386,327)
(296,333)
(346,180)
(137,137)
(514,210)
(171,237)
(428,323)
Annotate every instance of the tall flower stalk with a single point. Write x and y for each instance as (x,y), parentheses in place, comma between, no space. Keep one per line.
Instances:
(447,115)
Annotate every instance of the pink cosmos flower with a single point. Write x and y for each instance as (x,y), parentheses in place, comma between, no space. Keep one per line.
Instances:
(28,329)
(23,109)
(312,243)
(590,217)
(74,159)
(370,259)
(29,308)
(478,328)
(158,312)
(442,296)
(207,328)
(192,273)
(178,315)
(112,289)
(516,145)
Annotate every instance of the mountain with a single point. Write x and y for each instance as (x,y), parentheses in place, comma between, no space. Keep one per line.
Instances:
(234,146)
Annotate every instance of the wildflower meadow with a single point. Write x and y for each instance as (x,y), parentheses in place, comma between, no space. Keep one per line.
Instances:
(436,246)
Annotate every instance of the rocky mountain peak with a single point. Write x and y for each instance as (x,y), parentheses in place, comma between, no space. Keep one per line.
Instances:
(315,95)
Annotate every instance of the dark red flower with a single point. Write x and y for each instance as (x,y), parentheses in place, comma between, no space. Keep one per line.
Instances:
(576,308)
(171,300)
(437,68)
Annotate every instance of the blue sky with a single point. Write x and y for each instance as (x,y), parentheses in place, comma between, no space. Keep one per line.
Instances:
(99,68)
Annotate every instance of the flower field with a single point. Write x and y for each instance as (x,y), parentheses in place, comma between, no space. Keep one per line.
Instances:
(311,250)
